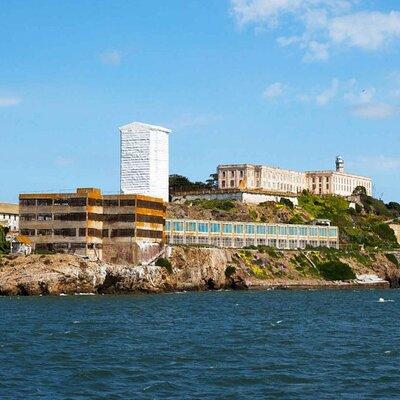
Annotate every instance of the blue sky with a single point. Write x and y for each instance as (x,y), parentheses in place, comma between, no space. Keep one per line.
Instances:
(290,83)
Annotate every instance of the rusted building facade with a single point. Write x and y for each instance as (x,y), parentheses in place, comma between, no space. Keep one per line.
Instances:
(88,223)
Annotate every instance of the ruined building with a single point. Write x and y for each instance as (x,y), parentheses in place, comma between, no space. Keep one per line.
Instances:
(106,227)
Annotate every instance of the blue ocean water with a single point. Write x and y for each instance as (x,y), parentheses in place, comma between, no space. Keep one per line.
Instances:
(214,345)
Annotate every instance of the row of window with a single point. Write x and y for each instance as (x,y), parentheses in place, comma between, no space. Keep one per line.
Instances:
(99,233)
(9,217)
(248,229)
(66,246)
(240,242)
(93,217)
(83,201)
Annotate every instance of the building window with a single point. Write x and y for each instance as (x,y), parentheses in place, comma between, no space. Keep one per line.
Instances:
(250,229)
(239,229)
(223,184)
(191,226)
(215,228)
(282,230)
(261,230)
(232,183)
(177,226)
(203,227)
(227,228)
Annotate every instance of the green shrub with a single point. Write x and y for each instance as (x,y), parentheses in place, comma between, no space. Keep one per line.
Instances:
(267,249)
(385,232)
(393,259)
(165,263)
(4,244)
(229,271)
(287,202)
(253,215)
(296,220)
(336,271)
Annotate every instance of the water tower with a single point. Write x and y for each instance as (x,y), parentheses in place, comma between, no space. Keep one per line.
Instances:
(144,160)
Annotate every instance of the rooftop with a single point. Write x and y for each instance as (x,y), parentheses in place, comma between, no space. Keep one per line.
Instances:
(140,127)
(9,208)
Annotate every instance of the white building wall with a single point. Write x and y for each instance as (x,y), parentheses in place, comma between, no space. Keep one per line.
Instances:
(144,160)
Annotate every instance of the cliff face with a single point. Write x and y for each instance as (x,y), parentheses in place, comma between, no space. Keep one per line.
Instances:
(192,269)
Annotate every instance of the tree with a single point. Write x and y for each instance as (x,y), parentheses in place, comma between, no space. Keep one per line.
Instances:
(4,244)
(359,191)
(181,183)
(212,182)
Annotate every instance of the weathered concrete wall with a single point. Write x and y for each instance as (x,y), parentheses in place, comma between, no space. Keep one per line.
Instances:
(243,197)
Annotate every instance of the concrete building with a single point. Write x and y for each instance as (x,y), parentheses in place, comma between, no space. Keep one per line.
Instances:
(277,180)
(21,245)
(9,216)
(87,223)
(273,179)
(241,234)
(145,160)
(337,182)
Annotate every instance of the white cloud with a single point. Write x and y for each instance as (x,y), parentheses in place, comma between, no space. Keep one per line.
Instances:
(375,110)
(324,24)
(9,101)
(367,30)
(273,91)
(328,94)
(316,51)
(360,96)
(111,57)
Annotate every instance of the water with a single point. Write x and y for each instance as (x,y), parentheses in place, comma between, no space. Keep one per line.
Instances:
(214,345)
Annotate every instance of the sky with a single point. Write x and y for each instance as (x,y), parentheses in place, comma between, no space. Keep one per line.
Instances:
(289,83)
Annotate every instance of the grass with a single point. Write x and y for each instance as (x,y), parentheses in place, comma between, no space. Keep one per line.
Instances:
(224,205)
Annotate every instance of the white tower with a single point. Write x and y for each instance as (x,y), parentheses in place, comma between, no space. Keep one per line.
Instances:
(339,164)
(145,160)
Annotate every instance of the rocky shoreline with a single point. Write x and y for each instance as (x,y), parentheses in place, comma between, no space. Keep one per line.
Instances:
(193,269)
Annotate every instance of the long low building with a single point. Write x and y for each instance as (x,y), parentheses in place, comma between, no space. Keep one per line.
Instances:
(243,234)
(88,223)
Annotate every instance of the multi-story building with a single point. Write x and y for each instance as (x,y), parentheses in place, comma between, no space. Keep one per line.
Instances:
(247,176)
(337,182)
(145,160)
(242,234)
(9,216)
(272,179)
(88,223)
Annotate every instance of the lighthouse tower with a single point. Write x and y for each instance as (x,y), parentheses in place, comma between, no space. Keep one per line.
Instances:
(145,160)
(339,164)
